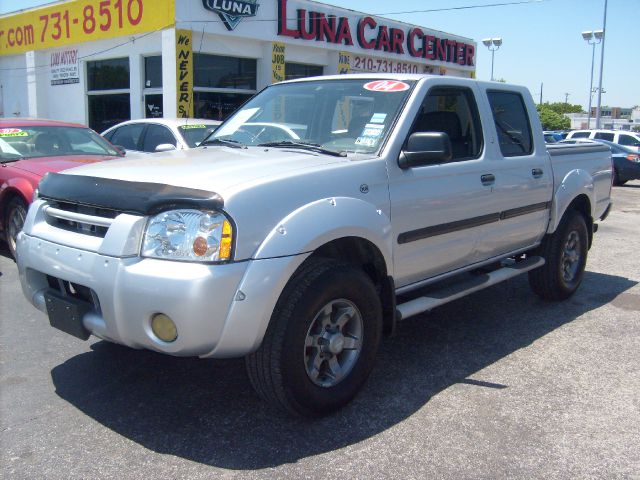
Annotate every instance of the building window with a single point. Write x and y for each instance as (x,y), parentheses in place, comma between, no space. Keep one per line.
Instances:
(218,105)
(300,70)
(153,87)
(108,92)
(214,71)
(221,84)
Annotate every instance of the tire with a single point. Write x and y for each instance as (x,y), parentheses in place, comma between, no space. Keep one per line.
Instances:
(565,252)
(310,362)
(14,221)
(616,179)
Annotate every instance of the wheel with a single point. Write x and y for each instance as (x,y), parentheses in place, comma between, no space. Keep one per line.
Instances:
(565,252)
(322,340)
(616,179)
(14,221)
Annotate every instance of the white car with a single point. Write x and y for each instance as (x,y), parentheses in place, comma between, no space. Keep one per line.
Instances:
(621,137)
(160,134)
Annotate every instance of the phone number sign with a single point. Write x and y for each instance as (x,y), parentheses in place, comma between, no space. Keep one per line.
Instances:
(82,21)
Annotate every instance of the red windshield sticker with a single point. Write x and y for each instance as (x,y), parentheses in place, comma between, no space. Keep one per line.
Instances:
(386,86)
(12,132)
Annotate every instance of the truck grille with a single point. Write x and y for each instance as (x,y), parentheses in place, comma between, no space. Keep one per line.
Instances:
(92,221)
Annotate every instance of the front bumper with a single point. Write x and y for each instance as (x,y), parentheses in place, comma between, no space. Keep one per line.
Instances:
(129,291)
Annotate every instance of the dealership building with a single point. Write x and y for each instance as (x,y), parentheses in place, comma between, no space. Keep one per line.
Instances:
(99,63)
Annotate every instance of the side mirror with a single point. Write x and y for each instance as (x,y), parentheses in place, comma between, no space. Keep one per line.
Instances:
(425,148)
(121,149)
(165,147)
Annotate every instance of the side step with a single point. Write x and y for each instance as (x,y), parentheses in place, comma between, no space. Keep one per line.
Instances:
(459,290)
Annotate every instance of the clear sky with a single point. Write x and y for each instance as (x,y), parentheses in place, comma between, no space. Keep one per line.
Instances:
(542,41)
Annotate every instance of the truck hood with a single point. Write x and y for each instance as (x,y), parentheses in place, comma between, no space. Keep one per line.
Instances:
(219,169)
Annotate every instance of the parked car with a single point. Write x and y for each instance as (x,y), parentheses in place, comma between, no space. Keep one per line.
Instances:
(552,137)
(299,253)
(160,134)
(626,161)
(621,137)
(31,148)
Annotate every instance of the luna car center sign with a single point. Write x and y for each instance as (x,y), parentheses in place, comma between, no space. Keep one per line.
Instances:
(231,12)
(372,34)
(65,67)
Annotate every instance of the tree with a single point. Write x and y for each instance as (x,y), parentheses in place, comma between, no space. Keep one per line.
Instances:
(552,120)
(562,107)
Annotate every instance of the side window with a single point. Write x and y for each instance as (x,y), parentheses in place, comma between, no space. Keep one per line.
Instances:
(629,141)
(157,135)
(454,112)
(128,136)
(512,123)
(580,135)
(604,136)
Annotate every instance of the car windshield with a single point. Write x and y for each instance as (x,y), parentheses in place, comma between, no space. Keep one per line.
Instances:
(342,115)
(22,142)
(194,134)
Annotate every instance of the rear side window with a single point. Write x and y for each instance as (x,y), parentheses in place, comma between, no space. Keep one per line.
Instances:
(580,135)
(128,136)
(604,136)
(512,123)
(629,141)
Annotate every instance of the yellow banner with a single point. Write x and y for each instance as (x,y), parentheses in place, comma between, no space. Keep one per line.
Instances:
(344,63)
(184,73)
(82,21)
(277,62)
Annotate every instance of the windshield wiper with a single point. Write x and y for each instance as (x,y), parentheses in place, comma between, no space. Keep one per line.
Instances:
(223,141)
(313,147)
(4,158)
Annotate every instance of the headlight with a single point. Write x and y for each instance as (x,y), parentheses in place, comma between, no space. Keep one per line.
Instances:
(188,235)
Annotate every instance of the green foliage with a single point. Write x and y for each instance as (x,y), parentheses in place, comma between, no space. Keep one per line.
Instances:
(562,107)
(552,120)
(636,128)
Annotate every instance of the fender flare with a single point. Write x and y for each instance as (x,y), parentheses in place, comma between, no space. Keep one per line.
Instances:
(577,182)
(318,223)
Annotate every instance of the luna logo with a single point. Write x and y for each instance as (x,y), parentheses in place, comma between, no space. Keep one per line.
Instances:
(232,11)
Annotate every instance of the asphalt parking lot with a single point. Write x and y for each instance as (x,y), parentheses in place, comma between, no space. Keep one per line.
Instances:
(497,385)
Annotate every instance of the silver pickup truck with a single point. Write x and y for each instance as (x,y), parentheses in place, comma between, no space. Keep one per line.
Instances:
(319,215)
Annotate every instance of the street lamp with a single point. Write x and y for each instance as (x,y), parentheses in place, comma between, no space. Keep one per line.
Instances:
(492,44)
(592,38)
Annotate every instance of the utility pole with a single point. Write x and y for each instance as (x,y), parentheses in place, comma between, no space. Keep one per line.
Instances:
(566,98)
(541,85)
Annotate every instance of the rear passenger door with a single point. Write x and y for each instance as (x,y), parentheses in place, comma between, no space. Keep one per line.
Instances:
(523,177)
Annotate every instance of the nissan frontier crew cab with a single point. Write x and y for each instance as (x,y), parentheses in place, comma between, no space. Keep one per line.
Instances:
(319,215)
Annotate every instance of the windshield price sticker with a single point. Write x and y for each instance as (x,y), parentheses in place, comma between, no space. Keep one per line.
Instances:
(386,86)
(189,127)
(378,118)
(12,132)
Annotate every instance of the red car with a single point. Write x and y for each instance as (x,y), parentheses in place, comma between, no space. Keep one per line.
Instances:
(31,148)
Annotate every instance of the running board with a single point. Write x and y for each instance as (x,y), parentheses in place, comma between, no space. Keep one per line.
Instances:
(453,292)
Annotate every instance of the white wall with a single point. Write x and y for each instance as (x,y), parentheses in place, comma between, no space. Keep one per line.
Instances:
(14,101)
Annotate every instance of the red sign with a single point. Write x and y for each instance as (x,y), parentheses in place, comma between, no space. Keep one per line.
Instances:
(386,86)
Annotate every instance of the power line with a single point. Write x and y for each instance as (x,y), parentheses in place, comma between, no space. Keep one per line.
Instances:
(467,7)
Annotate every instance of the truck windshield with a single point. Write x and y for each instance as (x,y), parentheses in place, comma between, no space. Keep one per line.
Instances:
(351,115)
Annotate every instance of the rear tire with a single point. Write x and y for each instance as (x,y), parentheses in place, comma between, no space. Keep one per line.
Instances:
(15,216)
(322,340)
(565,253)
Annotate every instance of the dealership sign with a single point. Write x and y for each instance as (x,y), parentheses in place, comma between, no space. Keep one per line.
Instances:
(65,67)
(232,11)
(373,35)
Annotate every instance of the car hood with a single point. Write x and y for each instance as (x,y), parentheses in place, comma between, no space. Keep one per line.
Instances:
(218,169)
(40,166)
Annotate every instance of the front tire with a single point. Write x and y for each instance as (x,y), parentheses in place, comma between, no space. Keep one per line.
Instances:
(565,252)
(15,216)
(321,342)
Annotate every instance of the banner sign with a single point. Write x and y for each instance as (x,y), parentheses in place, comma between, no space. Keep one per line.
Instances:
(184,73)
(65,67)
(277,62)
(81,21)
(344,63)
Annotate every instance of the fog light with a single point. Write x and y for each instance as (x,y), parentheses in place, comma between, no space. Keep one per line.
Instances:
(164,328)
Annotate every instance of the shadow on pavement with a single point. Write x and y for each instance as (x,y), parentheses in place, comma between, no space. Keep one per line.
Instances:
(206,411)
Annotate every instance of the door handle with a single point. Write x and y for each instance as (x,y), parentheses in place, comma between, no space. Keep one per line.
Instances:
(488,179)
(537,172)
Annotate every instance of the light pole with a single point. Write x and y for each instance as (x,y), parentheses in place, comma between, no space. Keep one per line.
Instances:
(492,44)
(592,38)
(604,29)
